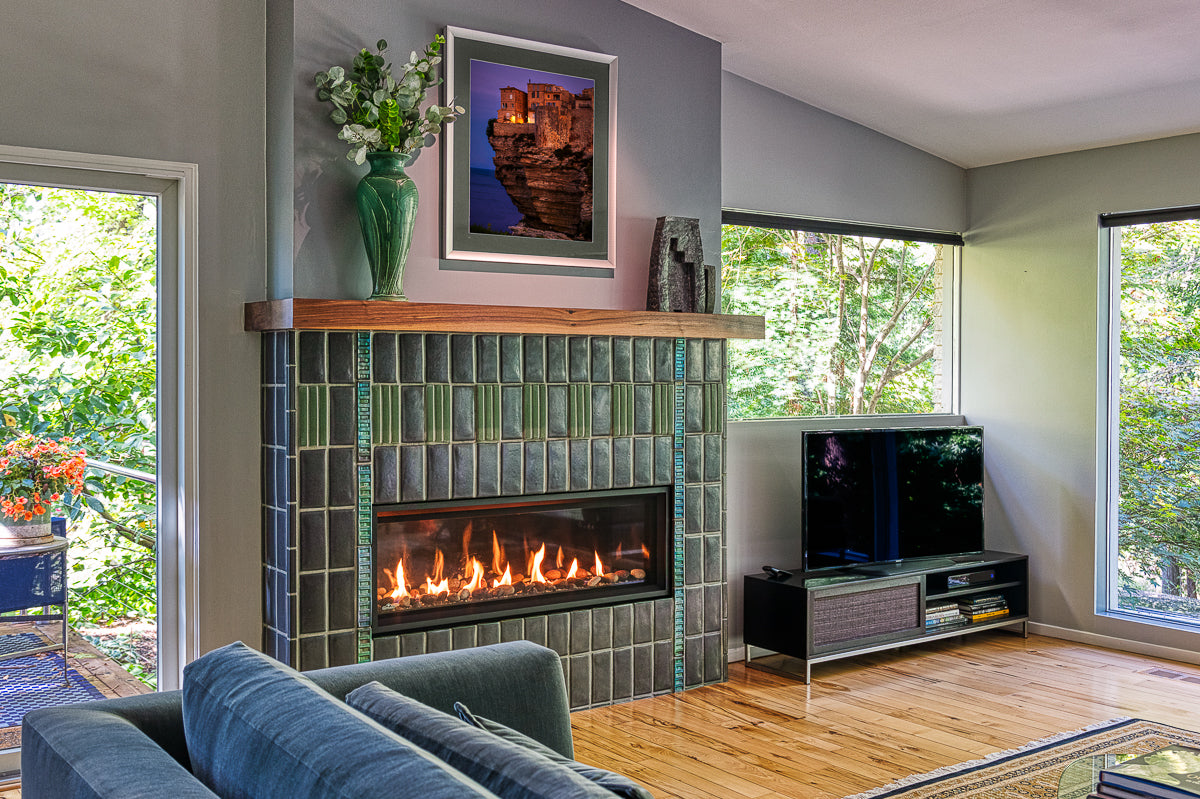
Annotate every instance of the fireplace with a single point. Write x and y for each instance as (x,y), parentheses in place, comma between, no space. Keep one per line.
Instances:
(439,563)
(387,422)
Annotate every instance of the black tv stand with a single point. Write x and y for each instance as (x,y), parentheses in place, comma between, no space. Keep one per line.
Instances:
(825,615)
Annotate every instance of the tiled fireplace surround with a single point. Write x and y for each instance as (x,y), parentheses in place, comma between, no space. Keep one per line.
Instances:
(356,418)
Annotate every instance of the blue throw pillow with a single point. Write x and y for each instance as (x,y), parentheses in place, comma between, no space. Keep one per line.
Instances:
(511,771)
(256,729)
(616,783)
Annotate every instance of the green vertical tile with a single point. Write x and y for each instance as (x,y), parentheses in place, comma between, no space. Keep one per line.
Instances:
(385,414)
(579,410)
(622,409)
(312,414)
(713,409)
(302,416)
(487,412)
(322,419)
(535,418)
(664,409)
(437,412)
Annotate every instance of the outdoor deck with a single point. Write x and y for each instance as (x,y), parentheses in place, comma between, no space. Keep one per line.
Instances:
(100,672)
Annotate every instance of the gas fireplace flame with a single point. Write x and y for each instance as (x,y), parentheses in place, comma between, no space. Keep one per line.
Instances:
(437,588)
(599,566)
(571,572)
(535,569)
(399,590)
(497,555)
(477,580)
(505,580)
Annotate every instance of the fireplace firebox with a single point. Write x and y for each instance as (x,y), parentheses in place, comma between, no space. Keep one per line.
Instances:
(439,563)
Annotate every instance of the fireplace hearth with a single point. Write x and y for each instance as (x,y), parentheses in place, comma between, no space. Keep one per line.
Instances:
(469,561)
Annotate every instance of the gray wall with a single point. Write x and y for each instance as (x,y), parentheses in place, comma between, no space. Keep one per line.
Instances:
(782,156)
(1031,288)
(178,82)
(667,145)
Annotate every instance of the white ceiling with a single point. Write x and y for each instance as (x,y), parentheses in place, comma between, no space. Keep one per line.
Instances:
(972,81)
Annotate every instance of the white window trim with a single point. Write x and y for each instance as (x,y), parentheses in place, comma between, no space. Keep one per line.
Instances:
(176,186)
(1108,401)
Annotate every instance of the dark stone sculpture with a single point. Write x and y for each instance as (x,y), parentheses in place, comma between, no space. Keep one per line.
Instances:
(679,278)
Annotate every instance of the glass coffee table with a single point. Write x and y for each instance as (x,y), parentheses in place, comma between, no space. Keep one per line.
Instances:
(1080,776)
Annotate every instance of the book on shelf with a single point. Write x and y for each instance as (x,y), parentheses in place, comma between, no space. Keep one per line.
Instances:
(941,614)
(1172,772)
(940,607)
(987,606)
(983,601)
(994,614)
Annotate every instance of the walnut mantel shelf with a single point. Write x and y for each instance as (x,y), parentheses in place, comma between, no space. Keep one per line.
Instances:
(316,314)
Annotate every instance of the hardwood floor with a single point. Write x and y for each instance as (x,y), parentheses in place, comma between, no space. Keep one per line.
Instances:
(866,721)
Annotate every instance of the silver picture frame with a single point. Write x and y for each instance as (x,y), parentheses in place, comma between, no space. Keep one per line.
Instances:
(475,236)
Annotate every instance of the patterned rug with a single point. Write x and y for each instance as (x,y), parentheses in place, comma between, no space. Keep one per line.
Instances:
(1032,771)
(32,682)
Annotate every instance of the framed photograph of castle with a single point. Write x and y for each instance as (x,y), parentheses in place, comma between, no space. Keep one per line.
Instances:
(529,168)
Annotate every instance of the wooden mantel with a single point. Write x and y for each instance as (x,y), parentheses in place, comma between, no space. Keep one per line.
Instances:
(314,314)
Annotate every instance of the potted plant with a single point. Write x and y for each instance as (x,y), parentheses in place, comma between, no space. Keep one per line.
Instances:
(378,109)
(34,474)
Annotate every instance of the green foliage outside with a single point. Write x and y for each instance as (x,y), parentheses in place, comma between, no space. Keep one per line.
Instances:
(852,323)
(77,333)
(1159,473)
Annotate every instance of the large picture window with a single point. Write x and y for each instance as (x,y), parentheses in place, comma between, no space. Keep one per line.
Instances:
(859,320)
(1153,412)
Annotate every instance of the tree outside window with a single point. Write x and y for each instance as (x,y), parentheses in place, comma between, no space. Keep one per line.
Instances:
(854,323)
(1157,558)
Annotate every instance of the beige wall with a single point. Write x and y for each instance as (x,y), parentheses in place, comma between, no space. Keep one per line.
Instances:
(1032,286)
(175,82)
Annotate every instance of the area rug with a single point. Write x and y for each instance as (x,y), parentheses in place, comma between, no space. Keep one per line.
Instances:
(1032,771)
(32,682)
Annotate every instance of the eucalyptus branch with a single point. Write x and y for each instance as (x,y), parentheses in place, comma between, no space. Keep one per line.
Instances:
(378,111)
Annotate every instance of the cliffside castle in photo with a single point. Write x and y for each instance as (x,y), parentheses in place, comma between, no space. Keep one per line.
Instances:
(542,137)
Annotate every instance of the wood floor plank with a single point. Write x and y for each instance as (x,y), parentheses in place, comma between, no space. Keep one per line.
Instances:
(864,722)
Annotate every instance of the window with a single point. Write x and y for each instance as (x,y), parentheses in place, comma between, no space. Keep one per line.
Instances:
(1153,518)
(859,319)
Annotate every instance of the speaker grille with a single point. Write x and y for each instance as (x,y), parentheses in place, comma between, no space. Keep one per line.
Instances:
(863,614)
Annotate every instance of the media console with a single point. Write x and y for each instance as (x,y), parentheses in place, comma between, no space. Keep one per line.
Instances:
(838,613)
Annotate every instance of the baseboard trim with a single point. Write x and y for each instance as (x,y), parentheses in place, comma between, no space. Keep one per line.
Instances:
(1112,642)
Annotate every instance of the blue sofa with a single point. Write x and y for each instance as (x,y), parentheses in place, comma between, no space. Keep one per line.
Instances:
(245,725)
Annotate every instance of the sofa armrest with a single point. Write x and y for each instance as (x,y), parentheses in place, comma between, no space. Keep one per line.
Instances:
(519,684)
(130,748)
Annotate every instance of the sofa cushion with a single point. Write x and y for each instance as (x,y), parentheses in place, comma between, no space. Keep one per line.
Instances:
(511,771)
(616,783)
(256,728)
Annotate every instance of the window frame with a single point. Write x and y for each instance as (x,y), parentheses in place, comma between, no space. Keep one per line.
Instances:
(175,187)
(1108,411)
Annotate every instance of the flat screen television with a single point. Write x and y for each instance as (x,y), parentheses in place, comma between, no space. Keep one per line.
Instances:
(876,497)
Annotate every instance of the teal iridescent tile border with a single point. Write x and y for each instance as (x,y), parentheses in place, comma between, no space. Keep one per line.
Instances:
(365,590)
(677,442)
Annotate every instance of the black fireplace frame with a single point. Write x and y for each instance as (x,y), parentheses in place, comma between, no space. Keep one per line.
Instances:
(658,582)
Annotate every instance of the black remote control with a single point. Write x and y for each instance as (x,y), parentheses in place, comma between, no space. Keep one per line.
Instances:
(776,574)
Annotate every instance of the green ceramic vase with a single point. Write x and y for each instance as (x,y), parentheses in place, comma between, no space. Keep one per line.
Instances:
(387,210)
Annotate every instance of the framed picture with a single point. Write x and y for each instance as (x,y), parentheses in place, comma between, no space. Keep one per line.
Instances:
(529,168)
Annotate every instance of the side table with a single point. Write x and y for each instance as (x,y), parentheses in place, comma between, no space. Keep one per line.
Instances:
(35,576)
